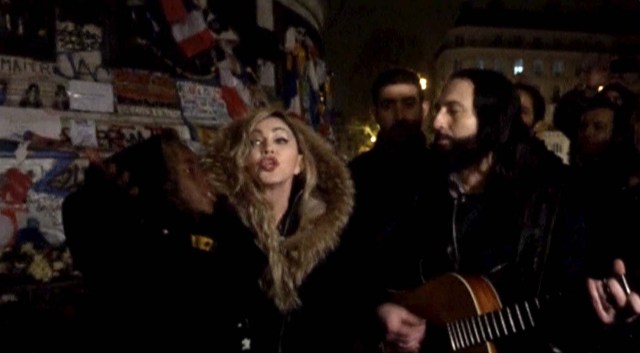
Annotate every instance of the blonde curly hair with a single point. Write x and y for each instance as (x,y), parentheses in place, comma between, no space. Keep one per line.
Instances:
(323,208)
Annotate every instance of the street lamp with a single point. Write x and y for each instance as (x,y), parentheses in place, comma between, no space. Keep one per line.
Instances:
(423,83)
(369,131)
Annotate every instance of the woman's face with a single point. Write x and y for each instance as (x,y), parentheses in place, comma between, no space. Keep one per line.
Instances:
(274,157)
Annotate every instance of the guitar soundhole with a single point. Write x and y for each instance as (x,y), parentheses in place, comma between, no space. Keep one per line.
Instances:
(437,339)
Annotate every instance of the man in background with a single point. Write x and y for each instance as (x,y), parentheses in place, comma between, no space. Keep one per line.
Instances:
(387,176)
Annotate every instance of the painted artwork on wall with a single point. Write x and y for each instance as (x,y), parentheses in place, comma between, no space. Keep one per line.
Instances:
(37,169)
(32,242)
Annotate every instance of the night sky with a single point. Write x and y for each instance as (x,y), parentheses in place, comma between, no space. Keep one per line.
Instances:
(365,36)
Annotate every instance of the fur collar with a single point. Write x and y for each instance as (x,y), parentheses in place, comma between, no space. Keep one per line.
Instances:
(322,217)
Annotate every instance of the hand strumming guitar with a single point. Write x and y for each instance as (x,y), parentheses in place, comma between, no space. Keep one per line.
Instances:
(612,299)
(404,331)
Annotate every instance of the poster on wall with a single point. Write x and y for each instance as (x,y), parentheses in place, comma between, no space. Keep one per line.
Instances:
(80,40)
(31,196)
(31,83)
(15,122)
(83,133)
(78,51)
(145,88)
(91,96)
(202,104)
(138,88)
(31,193)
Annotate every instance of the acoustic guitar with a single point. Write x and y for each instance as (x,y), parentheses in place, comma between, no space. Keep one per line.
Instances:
(469,310)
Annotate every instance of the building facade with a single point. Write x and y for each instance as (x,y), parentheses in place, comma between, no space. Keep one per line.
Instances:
(555,53)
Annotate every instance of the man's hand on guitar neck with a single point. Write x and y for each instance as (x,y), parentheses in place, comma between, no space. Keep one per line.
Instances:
(612,298)
(404,331)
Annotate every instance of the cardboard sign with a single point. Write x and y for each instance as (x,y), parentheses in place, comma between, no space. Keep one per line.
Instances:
(14,122)
(202,104)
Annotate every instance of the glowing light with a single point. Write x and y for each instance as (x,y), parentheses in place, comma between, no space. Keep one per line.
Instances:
(600,88)
(518,67)
(423,83)
(369,131)
(373,139)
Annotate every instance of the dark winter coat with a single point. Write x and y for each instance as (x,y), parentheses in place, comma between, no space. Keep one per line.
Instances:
(150,269)
(524,232)
(290,302)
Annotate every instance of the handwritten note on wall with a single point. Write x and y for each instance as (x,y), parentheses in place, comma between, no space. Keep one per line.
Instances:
(91,96)
(202,104)
(17,121)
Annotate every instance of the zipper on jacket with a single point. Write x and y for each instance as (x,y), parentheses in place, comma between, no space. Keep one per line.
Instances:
(281,336)
(456,190)
(454,234)
(283,228)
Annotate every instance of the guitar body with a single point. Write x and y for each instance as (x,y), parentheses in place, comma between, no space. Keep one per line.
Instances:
(452,297)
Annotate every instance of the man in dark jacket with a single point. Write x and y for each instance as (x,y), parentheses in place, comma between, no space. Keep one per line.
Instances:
(386,180)
(502,211)
(387,176)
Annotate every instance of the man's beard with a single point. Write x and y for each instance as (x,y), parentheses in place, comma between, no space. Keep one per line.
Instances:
(403,134)
(459,153)
(590,149)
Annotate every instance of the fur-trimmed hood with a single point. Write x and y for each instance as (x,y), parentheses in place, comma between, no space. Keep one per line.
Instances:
(322,220)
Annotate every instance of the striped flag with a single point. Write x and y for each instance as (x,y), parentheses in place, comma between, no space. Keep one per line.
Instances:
(188,28)
(192,34)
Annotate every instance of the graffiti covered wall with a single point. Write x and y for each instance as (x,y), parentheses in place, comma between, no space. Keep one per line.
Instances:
(82,80)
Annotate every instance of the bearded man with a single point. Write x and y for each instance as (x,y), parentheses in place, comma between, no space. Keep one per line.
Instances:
(502,209)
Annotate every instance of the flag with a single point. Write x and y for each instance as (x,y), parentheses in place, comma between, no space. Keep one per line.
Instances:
(192,34)
(235,105)
(174,10)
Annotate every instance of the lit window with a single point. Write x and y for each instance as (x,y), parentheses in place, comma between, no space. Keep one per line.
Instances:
(518,67)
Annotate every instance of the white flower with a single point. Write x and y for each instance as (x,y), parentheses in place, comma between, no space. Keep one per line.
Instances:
(57,265)
(27,248)
(40,269)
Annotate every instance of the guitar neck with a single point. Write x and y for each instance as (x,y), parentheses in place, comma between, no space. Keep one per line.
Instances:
(475,330)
